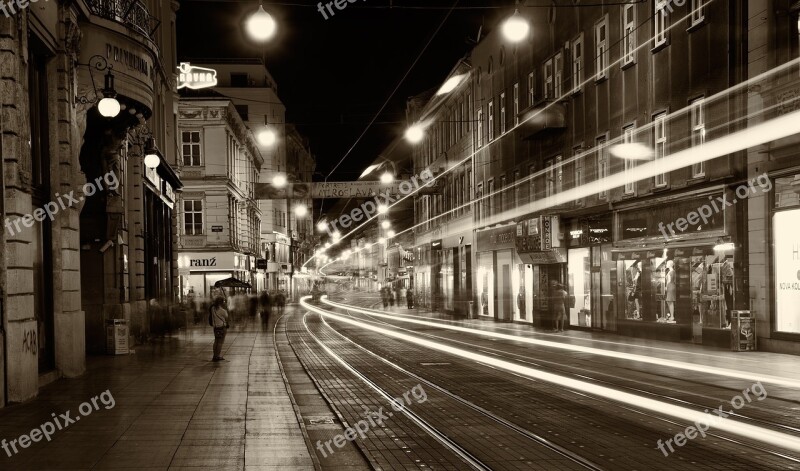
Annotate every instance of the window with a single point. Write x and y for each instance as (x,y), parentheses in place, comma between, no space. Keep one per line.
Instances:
(503,194)
(559,175)
(516,104)
(480,128)
(629,32)
(578,176)
(627,138)
(558,79)
(490,194)
(193,217)
(491,121)
(697,14)
(550,189)
(479,201)
(601,48)
(190,141)
(531,89)
(517,190)
(660,141)
(698,131)
(660,23)
(577,64)
(502,113)
(531,184)
(548,79)
(461,117)
(602,163)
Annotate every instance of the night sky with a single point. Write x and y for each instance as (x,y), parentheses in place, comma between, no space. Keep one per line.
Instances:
(335,74)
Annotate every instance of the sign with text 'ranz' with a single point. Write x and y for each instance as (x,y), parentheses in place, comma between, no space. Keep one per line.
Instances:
(267,191)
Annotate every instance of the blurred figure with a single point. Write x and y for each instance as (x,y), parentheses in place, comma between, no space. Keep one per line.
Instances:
(390,295)
(280,301)
(559,299)
(410,298)
(191,304)
(253,305)
(219,321)
(266,306)
(384,297)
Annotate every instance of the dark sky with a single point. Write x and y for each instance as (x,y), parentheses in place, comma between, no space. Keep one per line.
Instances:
(334,75)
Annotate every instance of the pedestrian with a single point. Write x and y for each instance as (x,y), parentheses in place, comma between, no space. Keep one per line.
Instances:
(559,298)
(384,298)
(410,298)
(218,318)
(265,302)
(281,301)
(390,295)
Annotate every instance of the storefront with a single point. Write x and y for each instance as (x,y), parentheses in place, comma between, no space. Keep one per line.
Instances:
(456,274)
(541,263)
(672,289)
(786,258)
(207,268)
(589,264)
(498,280)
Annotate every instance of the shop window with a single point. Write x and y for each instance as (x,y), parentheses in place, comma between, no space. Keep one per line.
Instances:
(190,143)
(698,132)
(193,217)
(601,48)
(629,32)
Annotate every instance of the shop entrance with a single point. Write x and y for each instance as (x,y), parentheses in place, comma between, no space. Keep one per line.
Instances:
(505,304)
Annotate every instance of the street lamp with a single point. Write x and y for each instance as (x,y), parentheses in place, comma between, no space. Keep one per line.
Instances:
(386,224)
(516,27)
(279,180)
(300,210)
(390,233)
(322,226)
(267,137)
(151,158)
(382,240)
(451,84)
(415,134)
(387,178)
(261,26)
(383,209)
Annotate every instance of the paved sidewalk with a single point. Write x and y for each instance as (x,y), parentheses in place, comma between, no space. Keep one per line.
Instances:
(172,409)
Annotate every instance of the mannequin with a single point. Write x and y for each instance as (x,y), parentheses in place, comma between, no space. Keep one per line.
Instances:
(633,288)
(671,290)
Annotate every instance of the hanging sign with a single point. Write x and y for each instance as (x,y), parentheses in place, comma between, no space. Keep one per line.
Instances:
(194,77)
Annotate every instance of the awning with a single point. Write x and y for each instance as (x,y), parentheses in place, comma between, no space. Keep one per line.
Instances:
(232,283)
(544,257)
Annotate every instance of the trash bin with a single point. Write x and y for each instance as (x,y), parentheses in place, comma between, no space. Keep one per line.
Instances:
(743,331)
(117,337)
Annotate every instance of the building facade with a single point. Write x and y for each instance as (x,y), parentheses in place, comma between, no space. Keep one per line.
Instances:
(219,216)
(773,42)
(68,270)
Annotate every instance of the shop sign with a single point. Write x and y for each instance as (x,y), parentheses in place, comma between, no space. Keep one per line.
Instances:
(216,228)
(498,238)
(547,234)
(436,244)
(787,270)
(211,261)
(261,264)
(194,77)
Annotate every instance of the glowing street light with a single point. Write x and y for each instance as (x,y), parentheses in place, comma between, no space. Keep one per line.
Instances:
(261,25)
(451,84)
(328,245)
(336,236)
(387,178)
(516,27)
(267,137)
(390,233)
(279,180)
(300,211)
(382,240)
(109,106)
(322,226)
(415,134)
(386,224)
(383,209)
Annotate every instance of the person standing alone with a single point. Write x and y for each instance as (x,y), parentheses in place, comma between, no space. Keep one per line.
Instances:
(219,320)
(559,298)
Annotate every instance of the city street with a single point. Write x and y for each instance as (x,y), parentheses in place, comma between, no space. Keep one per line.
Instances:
(400,235)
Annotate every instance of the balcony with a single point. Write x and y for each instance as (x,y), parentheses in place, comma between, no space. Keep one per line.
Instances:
(543,119)
(131,13)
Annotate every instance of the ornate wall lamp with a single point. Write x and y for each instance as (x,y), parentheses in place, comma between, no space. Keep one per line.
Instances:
(108,106)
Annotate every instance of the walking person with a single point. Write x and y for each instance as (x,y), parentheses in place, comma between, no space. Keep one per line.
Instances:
(218,318)
(265,302)
(559,299)
(281,301)
(390,295)
(410,298)
(384,298)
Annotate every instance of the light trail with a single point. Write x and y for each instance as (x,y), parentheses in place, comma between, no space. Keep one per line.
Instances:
(789,382)
(751,432)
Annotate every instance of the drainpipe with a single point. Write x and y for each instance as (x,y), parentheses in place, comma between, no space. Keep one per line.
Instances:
(3,272)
